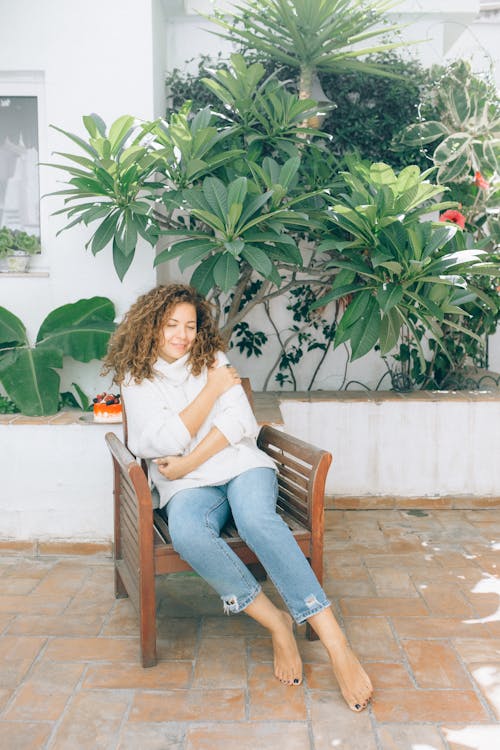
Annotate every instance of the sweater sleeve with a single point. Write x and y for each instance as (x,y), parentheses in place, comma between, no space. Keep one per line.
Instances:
(154,429)
(234,417)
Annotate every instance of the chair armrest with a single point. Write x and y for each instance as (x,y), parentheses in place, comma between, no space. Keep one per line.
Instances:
(133,515)
(302,471)
(129,470)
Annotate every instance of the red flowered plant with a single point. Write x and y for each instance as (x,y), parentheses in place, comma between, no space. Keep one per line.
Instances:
(481,183)
(454,216)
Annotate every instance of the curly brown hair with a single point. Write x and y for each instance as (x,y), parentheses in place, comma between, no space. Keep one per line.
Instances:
(133,348)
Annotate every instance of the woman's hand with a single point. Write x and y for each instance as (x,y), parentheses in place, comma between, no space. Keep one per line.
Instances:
(173,467)
(221,379)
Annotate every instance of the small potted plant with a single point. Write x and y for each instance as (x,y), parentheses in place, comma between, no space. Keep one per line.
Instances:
(16,248)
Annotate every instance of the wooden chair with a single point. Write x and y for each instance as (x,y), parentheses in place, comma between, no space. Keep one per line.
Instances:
(142,544)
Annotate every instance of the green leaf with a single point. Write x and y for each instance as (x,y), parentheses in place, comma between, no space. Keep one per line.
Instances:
(90,125)
(234,214)
(12,330)
(237,191)
(32,382)
(190,257)
(382,174)
(215,192)
(288,171)
(451,148)
(195,167)
(365,332)
(209,218)
(126,234)
(252,206)
(203,276)
(356,308)
(426,305)
(226,272)
(440,236)
(84,399)
(421,133)
(76,139)
(408,178)
(105,232)
(460,103)
(80,329)
(118,131)
(121,261)
(389,296)
(183,248)
(343,278)
(390,328)
(456,170)
(259,260)
(235,247)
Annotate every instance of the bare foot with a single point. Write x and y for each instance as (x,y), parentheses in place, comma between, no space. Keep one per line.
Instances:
(287,661)
(352,678)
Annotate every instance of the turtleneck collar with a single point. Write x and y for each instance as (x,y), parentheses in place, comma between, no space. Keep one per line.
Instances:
(174,372)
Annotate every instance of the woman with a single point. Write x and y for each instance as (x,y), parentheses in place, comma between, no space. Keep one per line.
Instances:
(189,417)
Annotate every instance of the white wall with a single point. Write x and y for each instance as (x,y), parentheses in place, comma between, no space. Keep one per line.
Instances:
(92,57)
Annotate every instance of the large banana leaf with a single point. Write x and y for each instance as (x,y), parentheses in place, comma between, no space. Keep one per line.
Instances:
(80,330)
(31,381)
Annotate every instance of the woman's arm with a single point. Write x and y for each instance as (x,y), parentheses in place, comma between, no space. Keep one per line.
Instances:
(219,380)
(155,429)
(176,467)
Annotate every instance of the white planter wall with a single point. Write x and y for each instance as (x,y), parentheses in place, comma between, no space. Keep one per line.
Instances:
(57,479)
(420,446)
(56,482)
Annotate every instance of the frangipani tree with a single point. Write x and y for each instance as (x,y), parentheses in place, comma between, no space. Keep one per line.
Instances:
(242,198)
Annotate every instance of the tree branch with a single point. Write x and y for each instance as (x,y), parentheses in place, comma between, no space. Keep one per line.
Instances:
(282,352)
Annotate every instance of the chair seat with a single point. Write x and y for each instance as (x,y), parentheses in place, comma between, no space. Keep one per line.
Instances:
(167,559)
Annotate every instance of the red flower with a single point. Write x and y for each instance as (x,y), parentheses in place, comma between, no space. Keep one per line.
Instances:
(481,183)
(454,216)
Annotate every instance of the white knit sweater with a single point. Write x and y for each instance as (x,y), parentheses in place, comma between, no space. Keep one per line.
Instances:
(155,428)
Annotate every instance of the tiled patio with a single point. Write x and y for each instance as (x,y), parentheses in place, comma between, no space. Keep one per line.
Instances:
(417,591)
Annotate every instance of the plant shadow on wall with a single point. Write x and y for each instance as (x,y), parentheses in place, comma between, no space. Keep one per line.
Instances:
(28,374)
(262,205)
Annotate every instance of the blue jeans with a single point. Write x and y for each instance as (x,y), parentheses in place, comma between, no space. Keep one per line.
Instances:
(195,519)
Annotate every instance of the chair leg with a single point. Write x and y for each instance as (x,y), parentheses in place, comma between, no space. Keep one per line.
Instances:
(317,566)
(148,645)
(120,590)
(258,571)
(311,634)
(147,616)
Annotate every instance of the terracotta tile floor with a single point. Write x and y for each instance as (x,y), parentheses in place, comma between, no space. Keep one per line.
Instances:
(417,591)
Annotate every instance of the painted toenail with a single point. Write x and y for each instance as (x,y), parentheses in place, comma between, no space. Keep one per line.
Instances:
(296,681)
(357,706)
